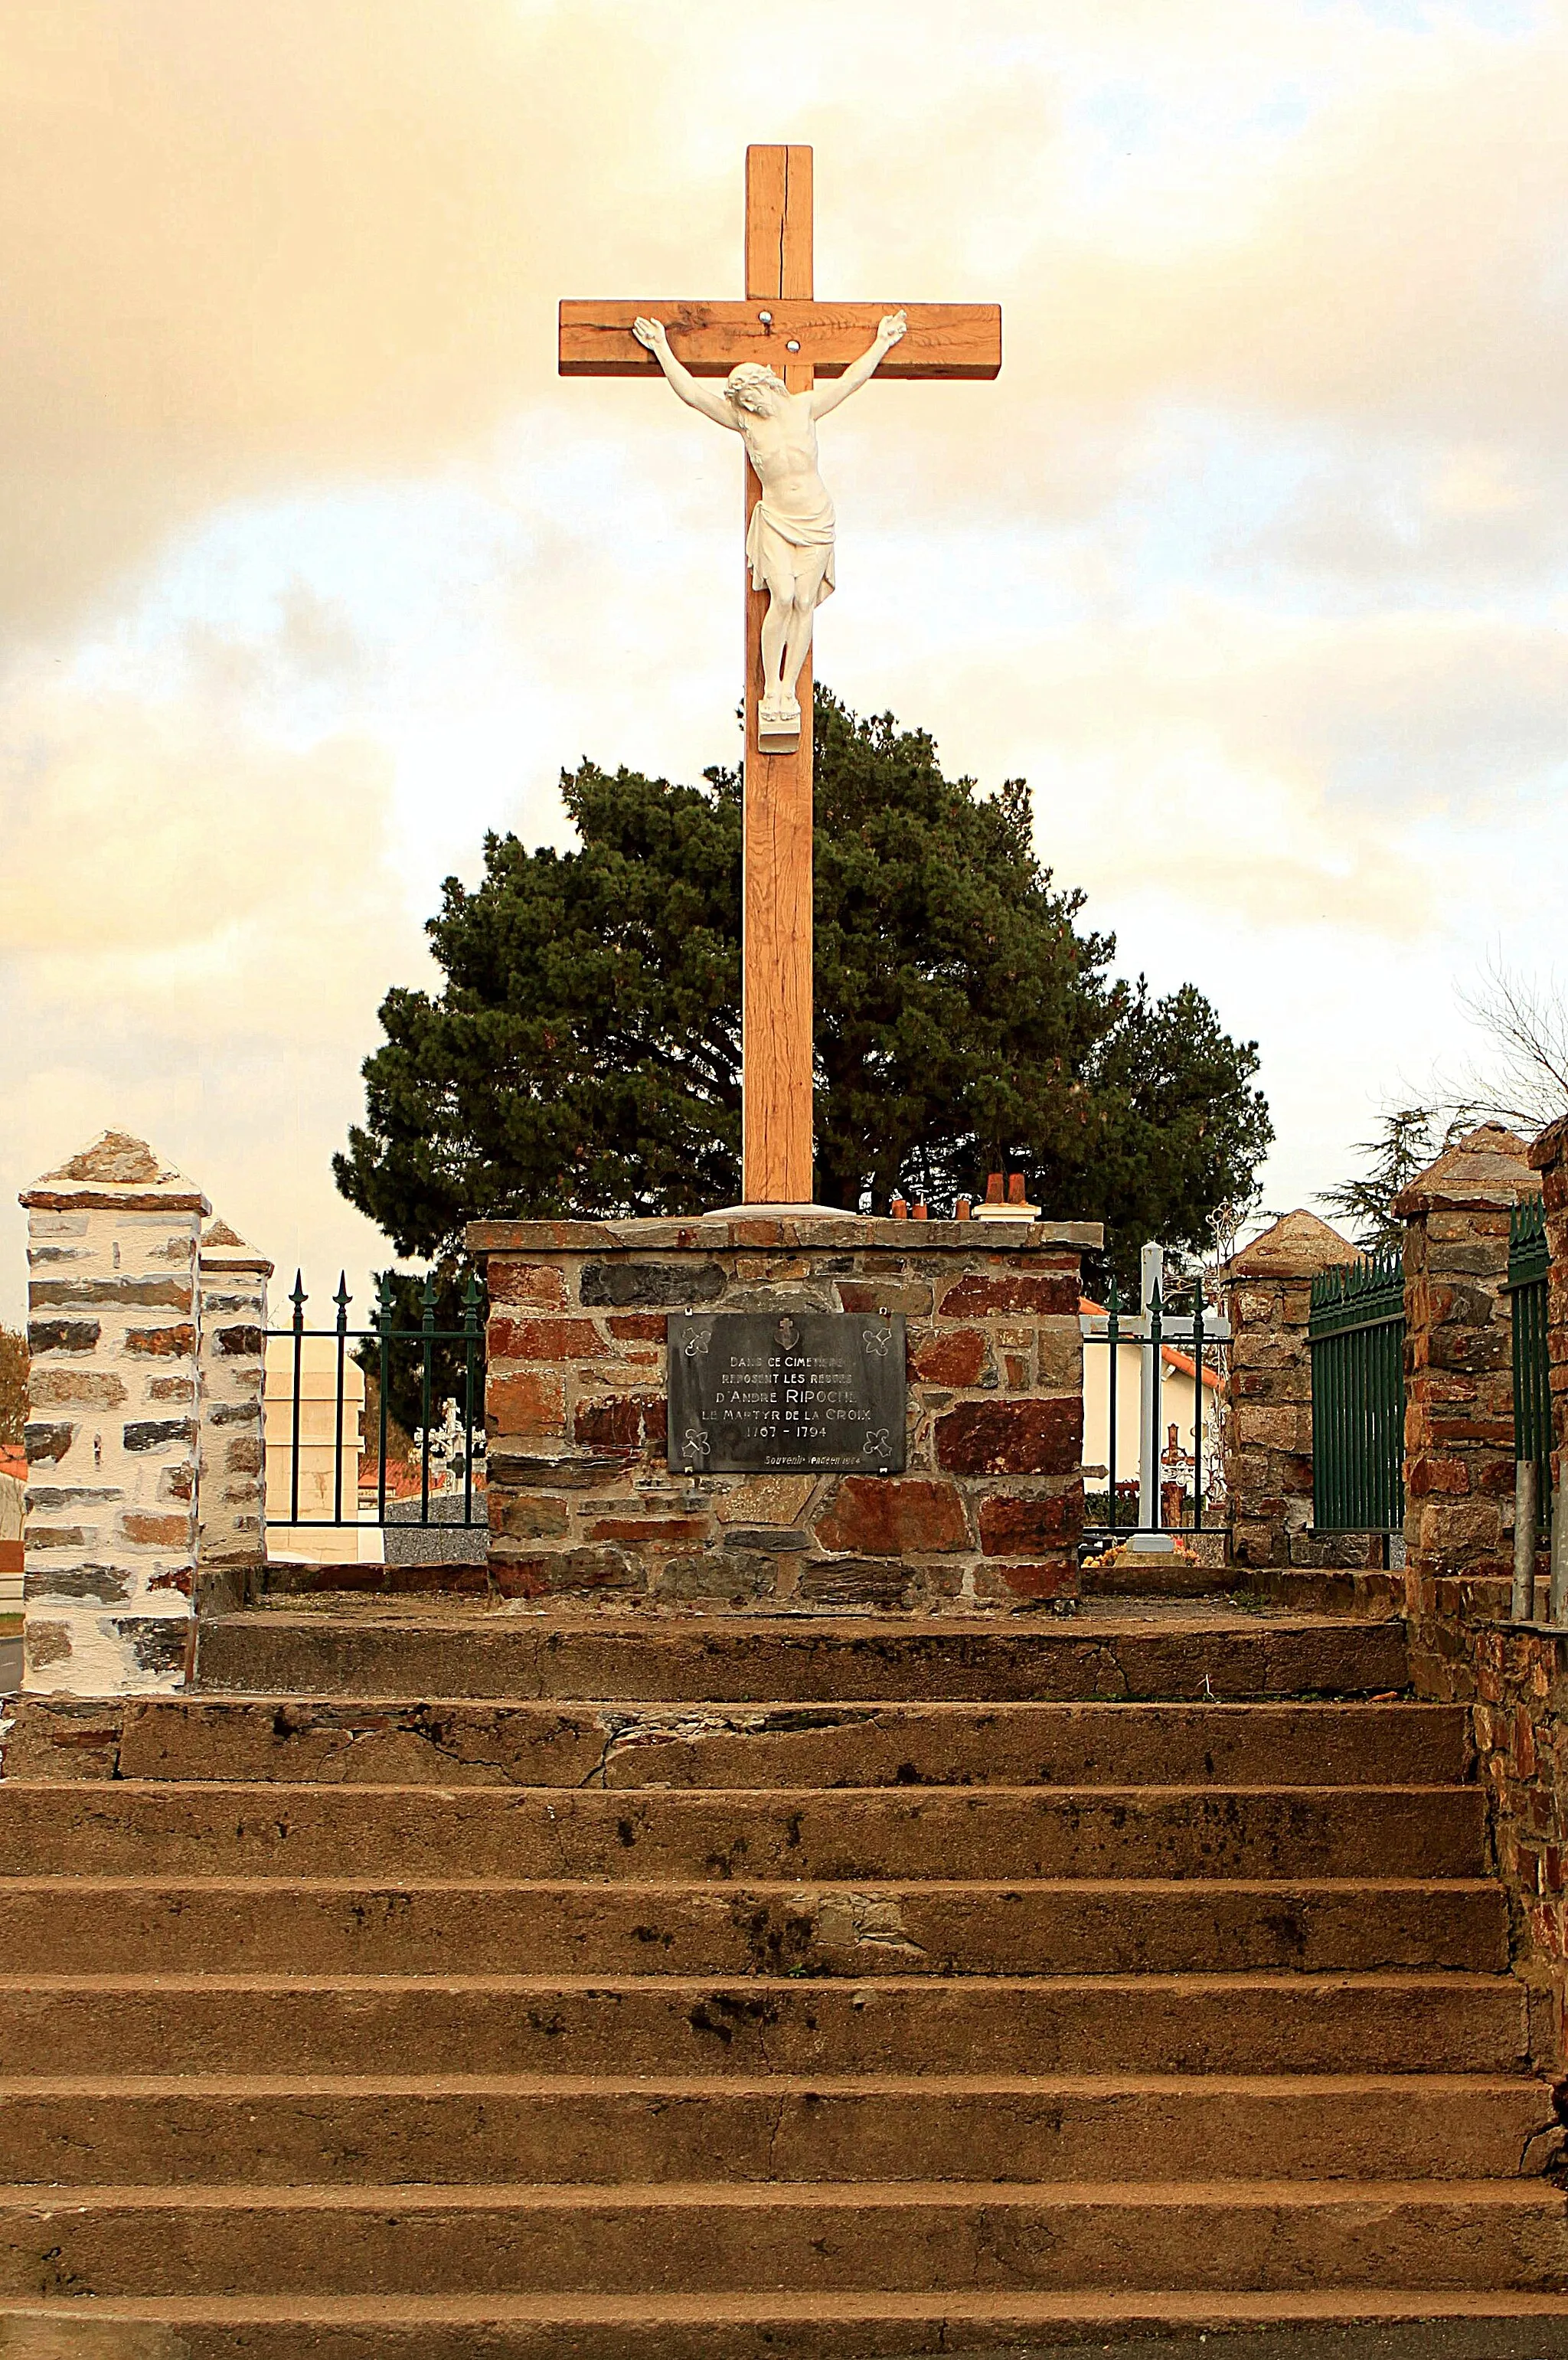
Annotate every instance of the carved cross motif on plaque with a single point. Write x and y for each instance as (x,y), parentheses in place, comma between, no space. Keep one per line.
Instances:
(781,325)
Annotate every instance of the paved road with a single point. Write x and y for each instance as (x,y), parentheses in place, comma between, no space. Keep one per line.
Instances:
(1529,2339)
(443,1541)
(10,1666)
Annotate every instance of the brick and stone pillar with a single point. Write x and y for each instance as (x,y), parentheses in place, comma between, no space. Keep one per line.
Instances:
(112,1434)
(232,1525)
(1459,1427)
(584,1506)
(1269,1393)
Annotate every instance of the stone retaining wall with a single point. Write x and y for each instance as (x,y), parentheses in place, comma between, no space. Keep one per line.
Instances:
(1459,1430)
(1459,1486)
(989,1510)
(1517,1677)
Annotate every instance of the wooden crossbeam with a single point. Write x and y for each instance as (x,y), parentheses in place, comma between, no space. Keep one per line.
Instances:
(944,340)
(781,323)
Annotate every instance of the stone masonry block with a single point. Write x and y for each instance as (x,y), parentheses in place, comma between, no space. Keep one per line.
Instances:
(1051,1294)
(545,1340)
(524,1402)
(910,1297)
(534,1284)
(619,1422)
(1028,1524)
(956,1356)
(662,1286)
(1022,1437)
(63,1335)
(893,1517)
(526,1516)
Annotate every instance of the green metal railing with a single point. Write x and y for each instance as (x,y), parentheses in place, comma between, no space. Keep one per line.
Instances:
(411,1350)
(1529,1263)
(1356,1336)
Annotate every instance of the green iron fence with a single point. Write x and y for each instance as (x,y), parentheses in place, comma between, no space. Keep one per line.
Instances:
(1528,1264)
(1356,1336)
(413,1354)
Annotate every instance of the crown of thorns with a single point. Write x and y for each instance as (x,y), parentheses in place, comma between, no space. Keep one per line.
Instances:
(749,373)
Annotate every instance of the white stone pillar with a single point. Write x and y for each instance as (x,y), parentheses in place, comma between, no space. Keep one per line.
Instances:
(112,1423)
(232,1326)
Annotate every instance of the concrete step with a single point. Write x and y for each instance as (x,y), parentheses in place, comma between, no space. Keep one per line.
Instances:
(1279,2235)
(1079,1926)
(326,1740)
(1404,2324)
(1370,1592)
(1162,1576)
(1171,1653)
(125,1827)
(1266,2023)
(282,2130)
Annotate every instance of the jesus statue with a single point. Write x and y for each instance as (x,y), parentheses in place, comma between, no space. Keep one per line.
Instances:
(789,541)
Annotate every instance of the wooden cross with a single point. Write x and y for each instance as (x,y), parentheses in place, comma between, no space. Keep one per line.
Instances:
(780,322)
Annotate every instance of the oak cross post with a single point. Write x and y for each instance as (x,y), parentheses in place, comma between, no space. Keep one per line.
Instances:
(782,326)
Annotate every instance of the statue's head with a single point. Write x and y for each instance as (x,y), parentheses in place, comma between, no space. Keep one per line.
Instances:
(751,384)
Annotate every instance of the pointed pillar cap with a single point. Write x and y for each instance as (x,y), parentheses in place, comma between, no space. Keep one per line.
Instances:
(116,1170)
(225,1248)
(1298,1245)
(1488,1168)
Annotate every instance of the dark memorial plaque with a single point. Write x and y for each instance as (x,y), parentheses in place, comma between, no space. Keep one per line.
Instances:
(821,1390)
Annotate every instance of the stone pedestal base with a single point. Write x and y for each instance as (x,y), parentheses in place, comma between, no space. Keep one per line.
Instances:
(987,1512)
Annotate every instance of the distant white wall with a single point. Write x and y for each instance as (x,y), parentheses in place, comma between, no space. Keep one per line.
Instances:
(1177,1393)
(324,1447)
(13,1494)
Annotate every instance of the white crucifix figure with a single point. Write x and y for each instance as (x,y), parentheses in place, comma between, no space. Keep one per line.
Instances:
(790,541)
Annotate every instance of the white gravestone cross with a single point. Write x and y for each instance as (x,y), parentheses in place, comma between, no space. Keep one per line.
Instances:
(1174,1327)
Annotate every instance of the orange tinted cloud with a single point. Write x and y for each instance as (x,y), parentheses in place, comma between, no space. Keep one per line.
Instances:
(248,246)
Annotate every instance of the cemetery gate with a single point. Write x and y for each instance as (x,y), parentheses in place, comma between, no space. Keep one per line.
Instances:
(338,1454)
(1529,1268)
(1356,1334)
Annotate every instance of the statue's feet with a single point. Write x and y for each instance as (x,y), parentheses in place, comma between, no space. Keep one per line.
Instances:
(778,717)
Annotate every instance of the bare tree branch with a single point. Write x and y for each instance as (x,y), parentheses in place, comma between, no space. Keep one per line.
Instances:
(1524,1081)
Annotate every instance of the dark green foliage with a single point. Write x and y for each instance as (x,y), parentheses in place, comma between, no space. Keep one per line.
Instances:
(584,1058)
(1409,1139)
(407,1297)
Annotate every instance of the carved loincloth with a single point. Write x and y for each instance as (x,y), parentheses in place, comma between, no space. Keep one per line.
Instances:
(770,538)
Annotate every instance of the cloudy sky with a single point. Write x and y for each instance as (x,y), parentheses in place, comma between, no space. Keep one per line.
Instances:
(1254,561)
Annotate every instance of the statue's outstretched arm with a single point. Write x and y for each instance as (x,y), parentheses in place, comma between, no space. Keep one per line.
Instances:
(650,334)
(828,397)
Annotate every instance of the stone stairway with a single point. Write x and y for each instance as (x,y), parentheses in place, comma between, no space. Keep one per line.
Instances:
(450,1982)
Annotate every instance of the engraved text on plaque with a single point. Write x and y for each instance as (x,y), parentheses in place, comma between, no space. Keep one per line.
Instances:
(814,1389)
